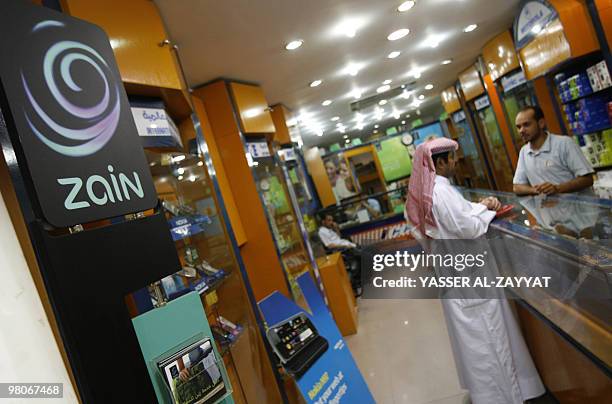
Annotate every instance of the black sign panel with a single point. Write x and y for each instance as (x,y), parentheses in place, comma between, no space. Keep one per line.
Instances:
(64,103)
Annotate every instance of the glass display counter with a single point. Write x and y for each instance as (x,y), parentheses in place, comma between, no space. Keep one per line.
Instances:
(282,219)
(566,237)
(210,268)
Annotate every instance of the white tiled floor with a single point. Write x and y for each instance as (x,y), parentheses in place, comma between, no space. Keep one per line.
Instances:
(403,351)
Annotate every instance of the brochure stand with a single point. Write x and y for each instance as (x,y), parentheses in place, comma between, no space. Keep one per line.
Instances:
(170,331)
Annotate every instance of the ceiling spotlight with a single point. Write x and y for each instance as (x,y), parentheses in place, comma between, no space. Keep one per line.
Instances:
(447,62)
(180,178)
(178,158)
(470,28)
(356,94)
(339,124)
(181,171)
(345,136)
(294,44)
(429,86)
(396,115)
(405,94)
(387,82)
(382,102)
(405,6)
(433,41)
(326,103)
(200,163)
(352,69)
(393,54)
(335,118)
(382,89)
(399,34)
(421,97)
(375,130)
(376,126)
(407,116)
(315,83)
(403,122)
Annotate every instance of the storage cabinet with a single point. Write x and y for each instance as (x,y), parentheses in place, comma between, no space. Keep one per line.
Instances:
(252,108)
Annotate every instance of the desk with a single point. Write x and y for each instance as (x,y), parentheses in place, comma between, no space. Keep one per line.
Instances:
(339,293)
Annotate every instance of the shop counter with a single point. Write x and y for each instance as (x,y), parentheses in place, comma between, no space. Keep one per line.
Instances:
(568,329)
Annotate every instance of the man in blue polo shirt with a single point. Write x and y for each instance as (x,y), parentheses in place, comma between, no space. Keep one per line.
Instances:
(548,164)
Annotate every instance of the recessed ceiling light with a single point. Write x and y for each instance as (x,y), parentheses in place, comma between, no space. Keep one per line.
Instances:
(315,83)
(294,44)
(376,126)
(394,54)
(200,163)
(382,102)
(447,62)
(429,86)
(405,6)
(432,41)
(399,34)
(421,97)
(352,69)
(382,89)
(407,116)
(345,136)
(180,178)
(470,28)
(178,158)
(375,130)
(335,118)
(339,124)
(403,122)
(387,82)
(356,94)
(326,103)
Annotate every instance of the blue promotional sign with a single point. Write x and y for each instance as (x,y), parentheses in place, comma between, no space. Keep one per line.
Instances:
(334,376)
(187,226)
(533,18)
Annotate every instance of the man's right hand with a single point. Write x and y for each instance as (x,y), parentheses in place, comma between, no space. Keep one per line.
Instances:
(491,203)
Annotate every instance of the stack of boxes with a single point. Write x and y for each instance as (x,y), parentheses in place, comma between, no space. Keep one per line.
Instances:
(597,147)
(588,108)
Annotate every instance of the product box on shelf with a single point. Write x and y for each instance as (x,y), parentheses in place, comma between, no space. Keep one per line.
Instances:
(604,74)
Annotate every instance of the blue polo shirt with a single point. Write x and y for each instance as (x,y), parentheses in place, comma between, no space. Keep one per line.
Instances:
(558,160)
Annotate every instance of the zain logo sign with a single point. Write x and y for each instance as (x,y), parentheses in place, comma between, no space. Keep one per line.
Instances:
(65,108)
(96,123)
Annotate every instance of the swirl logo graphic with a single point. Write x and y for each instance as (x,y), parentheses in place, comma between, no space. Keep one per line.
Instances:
(91,126)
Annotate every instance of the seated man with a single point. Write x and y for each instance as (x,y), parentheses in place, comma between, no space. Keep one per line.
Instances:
(329,233)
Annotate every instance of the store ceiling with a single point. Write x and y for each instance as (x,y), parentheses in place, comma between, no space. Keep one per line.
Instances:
(245,40)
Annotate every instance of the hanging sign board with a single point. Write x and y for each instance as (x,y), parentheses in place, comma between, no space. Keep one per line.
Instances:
(531,20)
(65,107)
(459,116)
(482,103)
(156,128)
(258,149)
(513,81)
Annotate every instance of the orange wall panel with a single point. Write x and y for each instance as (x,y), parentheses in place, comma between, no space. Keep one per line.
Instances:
(226,191)
(546,103)
(135,29)
(280,116)
(577,25)
(252,107)
(450,100)
(259,252)
(499,55)
(604,8)
(470,83)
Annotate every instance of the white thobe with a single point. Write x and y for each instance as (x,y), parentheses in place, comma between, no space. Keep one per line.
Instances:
(492,359)
(331,239)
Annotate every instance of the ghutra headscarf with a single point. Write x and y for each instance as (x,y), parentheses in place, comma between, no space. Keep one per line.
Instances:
(420,189)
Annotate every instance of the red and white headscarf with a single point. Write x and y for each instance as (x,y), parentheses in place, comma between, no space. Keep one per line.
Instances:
(420,188)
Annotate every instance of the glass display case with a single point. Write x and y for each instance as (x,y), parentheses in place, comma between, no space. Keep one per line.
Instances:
(282,219)
(497,155)
(208,267)
(470,160)
(566,237)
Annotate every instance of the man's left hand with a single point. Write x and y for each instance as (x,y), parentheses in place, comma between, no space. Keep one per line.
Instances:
(547,188)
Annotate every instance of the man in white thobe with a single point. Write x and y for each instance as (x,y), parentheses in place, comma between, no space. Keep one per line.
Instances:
(492,359)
